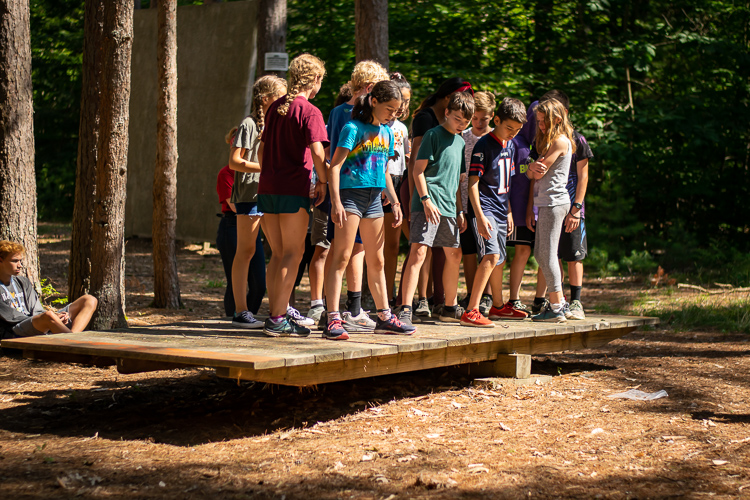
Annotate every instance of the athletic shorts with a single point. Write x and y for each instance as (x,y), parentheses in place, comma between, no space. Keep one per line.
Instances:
(26,328)
(319,229)
(468,241)
(282,203)
(247,208)
(444,234)
(496,244)
(573,246)
(520,236)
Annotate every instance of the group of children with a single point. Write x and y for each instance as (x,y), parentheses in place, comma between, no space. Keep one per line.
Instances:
(348,190)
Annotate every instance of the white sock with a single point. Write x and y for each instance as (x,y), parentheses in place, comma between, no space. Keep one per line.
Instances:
(315,303)
(556,308)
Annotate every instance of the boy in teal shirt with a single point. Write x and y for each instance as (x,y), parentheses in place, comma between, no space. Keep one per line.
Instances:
(437,217)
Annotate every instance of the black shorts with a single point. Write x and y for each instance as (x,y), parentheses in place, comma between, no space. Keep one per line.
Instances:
(468,241)
(521,236)
(573,246)
(396,180)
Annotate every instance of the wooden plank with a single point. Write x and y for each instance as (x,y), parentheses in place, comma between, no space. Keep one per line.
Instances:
(506,365)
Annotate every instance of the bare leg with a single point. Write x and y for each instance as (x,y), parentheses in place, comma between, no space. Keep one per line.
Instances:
(449,277)
(49,322)
(356,267)
(496,283)
(247,234)
(81,310)
(316,272)
(390,252)
(517,266)
(338,260)
(484,271)
(410,277)
(425,275)
(373,239)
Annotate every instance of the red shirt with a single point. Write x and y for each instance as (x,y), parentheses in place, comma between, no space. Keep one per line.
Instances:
(224,182)
(287,161)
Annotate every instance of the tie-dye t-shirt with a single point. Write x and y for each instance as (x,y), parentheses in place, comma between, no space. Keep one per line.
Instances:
(369,147)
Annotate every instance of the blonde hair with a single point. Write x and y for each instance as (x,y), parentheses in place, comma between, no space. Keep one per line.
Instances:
(265,87)
(557,124)
(10,248)
(366,73)
(303,70)
(484,101)
(229,138)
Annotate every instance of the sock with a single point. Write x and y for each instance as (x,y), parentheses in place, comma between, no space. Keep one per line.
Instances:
(277,319)
(449,308)
(354,302)
(333,315)
(538,301)
(316,303)
(384,314)
(575,293)
(556,308)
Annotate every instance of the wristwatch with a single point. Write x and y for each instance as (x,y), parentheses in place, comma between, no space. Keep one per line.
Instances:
(578,206)
(425,197)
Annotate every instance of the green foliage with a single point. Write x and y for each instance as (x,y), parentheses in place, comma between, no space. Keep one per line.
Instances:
(51,295)
(215,284)
(731,318)
(639,262)
(598,264)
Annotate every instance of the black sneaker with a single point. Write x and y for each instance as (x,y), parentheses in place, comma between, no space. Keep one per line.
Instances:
(323,320)
(334,330)
(450,314)
(485,304)
(538,307)
(394,326)
(284,328)
(245,319)
(465,301)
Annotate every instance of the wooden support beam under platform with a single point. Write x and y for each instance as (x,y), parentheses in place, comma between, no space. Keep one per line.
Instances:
(249,355)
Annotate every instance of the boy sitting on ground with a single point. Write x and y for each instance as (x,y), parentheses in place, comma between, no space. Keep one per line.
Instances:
(21,311)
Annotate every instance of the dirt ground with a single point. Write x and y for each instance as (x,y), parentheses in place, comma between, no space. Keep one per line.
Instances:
(73,431)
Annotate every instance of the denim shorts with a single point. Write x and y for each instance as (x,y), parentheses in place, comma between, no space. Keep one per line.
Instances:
(247,208)
(363,202)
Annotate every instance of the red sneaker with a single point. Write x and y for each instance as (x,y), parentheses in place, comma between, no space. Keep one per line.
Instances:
(475,318)
(508,312)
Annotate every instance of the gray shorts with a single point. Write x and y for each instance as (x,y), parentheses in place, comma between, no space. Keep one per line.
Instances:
(26,328)
(496,244)
(363,202)
(319,229)
(445,234)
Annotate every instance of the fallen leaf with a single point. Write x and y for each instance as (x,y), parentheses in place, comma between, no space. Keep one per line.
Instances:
(719,462)
(419,413)
(432,436)
(457,405)
(367,457)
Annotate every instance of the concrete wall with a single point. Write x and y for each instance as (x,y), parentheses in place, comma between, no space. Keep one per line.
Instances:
(216,69)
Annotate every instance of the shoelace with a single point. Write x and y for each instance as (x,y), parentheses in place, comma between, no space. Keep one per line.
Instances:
(335,324)
(295,314)
(474,314)
(395,321)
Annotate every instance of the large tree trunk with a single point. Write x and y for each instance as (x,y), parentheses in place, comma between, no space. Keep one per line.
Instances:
(107,235)
(371,26)
(17,180)
(271,32)
(79,269)
(164,221)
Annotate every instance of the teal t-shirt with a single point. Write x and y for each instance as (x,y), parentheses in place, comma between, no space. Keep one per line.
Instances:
(444,153)
(369,147)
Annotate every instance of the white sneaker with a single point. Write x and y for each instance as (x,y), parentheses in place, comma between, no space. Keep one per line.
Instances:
(359,323)
(294,314)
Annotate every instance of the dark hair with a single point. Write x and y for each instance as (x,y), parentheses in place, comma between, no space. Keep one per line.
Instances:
(399,80)
(511,109)
(383,92)
(462,102)
(345,93)
(559,95)
(447,88)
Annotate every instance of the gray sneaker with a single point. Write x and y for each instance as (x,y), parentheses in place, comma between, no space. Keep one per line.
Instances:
(575,311)
(422,308)
(547,315)
(295,315)
(315,313)
(403,313)
(448,316)
(357,324)
(485,304)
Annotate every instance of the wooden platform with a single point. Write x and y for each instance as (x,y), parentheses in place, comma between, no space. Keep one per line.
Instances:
(249,355)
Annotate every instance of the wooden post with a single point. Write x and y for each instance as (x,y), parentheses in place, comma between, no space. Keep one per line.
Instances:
(271,33)
(371,30)
(506,365)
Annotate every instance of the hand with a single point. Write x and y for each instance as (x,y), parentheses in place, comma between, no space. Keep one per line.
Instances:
(398,217)
(431,212)
(64,316)
(338,214)
(320,193)
(572,222)
(530,222)
(384,199)
(461,220)
(484,226)
(510,224)
(538,169)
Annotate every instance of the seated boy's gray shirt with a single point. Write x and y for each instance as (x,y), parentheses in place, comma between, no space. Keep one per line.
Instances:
(245,188)
(9,316)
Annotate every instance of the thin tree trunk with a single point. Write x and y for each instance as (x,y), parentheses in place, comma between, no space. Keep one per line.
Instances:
(17,180)
(271,32)
(371,30)
(79,268)
(107,235)
(164,221)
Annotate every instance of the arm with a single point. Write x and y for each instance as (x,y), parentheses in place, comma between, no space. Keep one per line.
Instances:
(239,163)
(390,193)
(338,215)
(319,162)
(573,219)
(430,210)
(483,225)
(412,162)
(231,205)
(461,217)
(530,222)
(540,167)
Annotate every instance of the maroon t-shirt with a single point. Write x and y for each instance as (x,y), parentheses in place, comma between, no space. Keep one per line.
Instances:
(287,161)
(224,182)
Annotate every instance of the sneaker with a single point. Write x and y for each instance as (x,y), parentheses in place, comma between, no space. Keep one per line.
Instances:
(508,312)
(284,328)
(520,306)
(485,304)
(547,315)
(537,307)
(576,310)
(334,330)
(315,313)
(394,326)
(449,316)
(422,308)
(475,318)
(357,324)
(464,302)
(294,314)
(323,320)
(245,319)
(404,315)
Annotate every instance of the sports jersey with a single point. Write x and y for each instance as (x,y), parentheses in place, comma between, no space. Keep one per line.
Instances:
(493,162)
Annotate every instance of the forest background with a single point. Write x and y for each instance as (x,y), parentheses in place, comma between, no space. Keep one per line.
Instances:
(661,90)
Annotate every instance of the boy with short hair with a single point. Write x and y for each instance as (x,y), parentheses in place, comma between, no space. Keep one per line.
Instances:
(489,210)
(437,217)
(21,311)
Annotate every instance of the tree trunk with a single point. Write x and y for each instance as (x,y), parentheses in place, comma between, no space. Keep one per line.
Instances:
(542,39)
(371,26)
(164,222)
(107,235)
(271,32)
(17,180)
(79,269)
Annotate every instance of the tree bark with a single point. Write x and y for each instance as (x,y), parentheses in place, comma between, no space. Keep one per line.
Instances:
(271,32)
(79,268)
(17,179)
(107,235)
(371,30)
(164,221)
